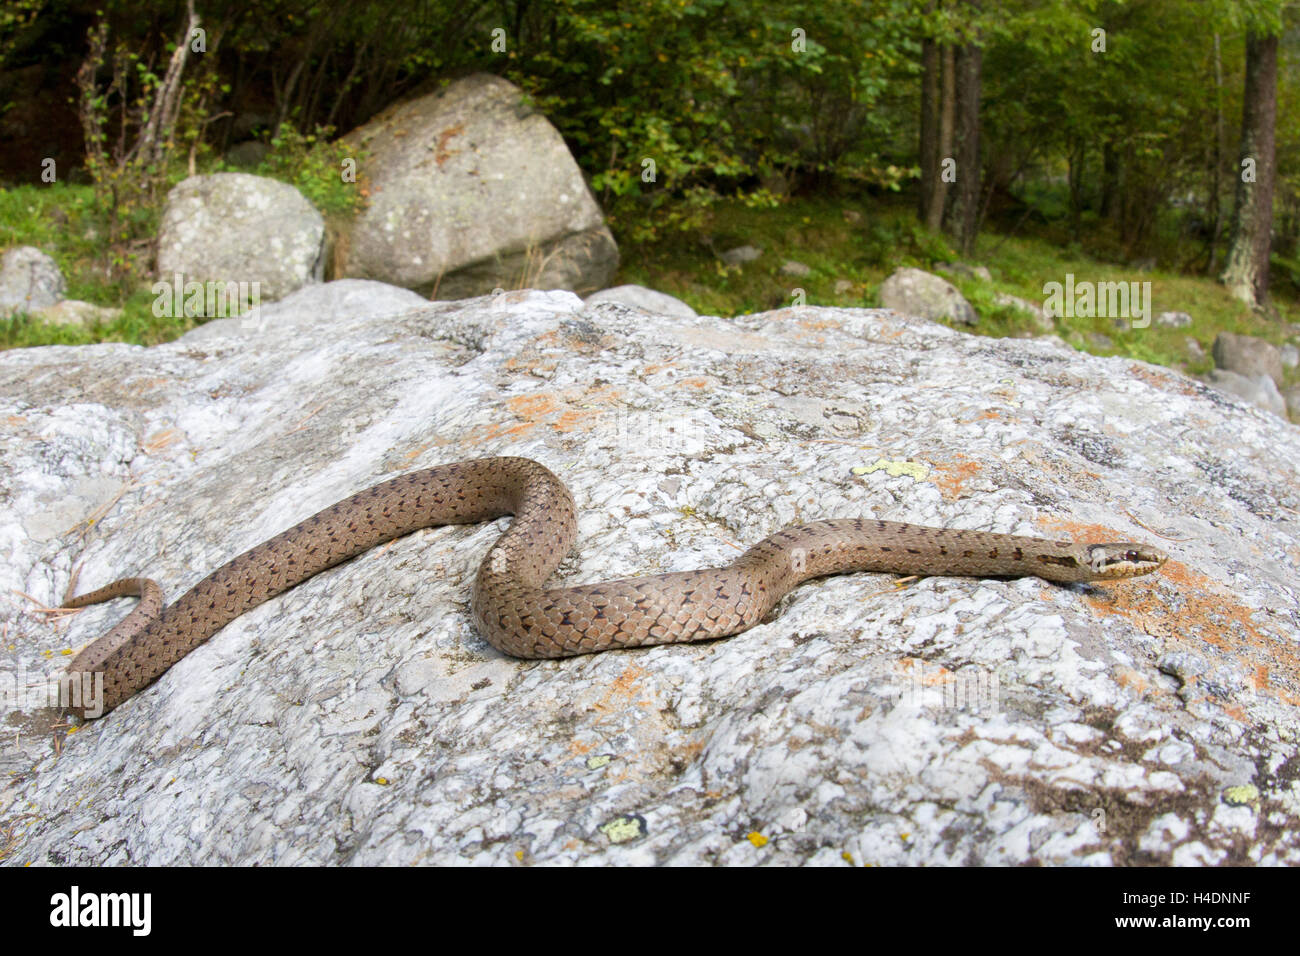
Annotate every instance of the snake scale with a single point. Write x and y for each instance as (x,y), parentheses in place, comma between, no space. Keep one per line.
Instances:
(511,606)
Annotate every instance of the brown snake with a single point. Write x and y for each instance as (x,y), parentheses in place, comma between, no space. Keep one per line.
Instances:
(511,607)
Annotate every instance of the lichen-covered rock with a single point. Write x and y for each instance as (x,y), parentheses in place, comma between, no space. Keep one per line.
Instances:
(235,227)
(1247,355)
(360,719)
(1259,390)
(917,292)
(29,280)
(76,312)
(474,190)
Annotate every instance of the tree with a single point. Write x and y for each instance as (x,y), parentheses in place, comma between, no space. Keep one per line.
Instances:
(963,215)
(1245,271)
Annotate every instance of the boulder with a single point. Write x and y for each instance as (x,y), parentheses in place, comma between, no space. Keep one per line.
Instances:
(76,312)
(916,292)
(1247,355)
(29,280)
(472,190)
(360,719)
(235,227)
(1042,321)
(1259,390)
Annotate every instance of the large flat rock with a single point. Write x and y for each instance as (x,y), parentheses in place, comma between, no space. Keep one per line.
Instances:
(360,719)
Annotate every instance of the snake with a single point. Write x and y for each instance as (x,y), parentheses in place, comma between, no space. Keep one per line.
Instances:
(510,604)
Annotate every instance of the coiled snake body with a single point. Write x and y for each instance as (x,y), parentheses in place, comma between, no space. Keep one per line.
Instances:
(517,614)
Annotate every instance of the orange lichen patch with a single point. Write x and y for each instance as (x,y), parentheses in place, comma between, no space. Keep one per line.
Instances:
(161,439)
(697,382)
(577,419)
(15,420)
(530,362)
(535,406)
(1077,531)
(1162,380)
(930,675)
(1132,680)
(441,152)
(625,692)
(951,477)
(417,451)
(486,433)
(818,325)
(1207,613)
(654,368)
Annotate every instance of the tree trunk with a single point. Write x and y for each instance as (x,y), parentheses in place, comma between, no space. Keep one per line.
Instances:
(963,215)
(1109,180)
(1215,211)
(938,92)
(1245,272)
(929,145)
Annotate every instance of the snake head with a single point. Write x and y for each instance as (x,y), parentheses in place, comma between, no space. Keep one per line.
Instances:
(1124,559)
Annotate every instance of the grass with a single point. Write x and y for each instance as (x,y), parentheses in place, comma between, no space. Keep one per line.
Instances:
(865,252)
(850,248)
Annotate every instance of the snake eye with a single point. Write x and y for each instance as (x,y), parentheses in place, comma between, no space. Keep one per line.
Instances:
(1132,556)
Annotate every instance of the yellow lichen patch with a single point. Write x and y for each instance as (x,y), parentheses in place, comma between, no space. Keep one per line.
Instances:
(1245,795)
(624,828)
(951,477)
(895,468)
(756,838)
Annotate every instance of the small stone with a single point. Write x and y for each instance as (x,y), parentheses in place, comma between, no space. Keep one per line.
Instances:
(1259,390)
(741,255)
(76,312)
(792,268)
(1174,320)
(917,292)
(1247,355)
(29,280)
